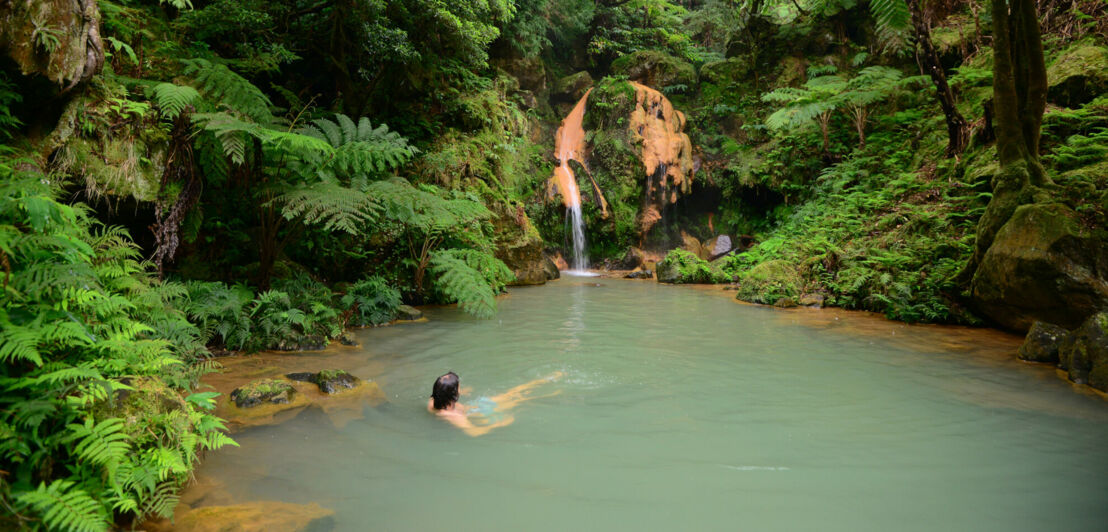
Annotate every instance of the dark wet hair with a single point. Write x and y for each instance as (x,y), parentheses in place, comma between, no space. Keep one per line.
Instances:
(445,391)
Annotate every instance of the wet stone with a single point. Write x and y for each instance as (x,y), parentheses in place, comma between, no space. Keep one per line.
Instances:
(408,313)
(811,300)
(1043,342)
(334,380)
(262,391)
(640,274)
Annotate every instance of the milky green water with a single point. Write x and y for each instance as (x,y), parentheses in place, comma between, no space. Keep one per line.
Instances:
(681,409)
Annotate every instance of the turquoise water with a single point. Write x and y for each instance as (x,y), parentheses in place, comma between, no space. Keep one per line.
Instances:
(681,409)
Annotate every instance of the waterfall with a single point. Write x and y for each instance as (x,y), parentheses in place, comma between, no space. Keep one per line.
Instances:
(569,145)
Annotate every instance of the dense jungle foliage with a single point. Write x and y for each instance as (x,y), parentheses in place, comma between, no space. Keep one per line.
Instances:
(242,175)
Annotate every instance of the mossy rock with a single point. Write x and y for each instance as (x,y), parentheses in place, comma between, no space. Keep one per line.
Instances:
(683,267)
(529,71)
(572,87)
(58,39)
(335,380)
(655,69)
(769,281)
(1085,354)
(1043,342)
(731,70)
(1042,266)
(263,391)
(1078,74)
(793,72)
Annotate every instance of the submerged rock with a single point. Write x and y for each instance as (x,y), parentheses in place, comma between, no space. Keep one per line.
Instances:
(260,516)
(1085,353)
(408,313)
(640,274)
(1042,266)
(1043,342)
(347,339)
(262,391)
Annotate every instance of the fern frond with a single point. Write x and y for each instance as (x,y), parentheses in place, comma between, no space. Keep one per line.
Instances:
(334,206)
(103,444)
(63,506)
(172,99)
(462,283)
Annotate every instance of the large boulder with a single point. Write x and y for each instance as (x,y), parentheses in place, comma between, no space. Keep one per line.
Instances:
(58,39)
(1078,75)
(1043,342)
(655,69)
(572,87)
(529,71)
(1085,353)
(1042,266)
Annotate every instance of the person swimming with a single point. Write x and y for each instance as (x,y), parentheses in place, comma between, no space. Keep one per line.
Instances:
(491,412)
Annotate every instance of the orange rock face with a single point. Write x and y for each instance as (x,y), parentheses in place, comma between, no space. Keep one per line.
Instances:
(666,152)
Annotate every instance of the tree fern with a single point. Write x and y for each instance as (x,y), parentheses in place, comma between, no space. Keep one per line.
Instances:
(462,283)
(331,205)
(360,149)
(891,18)
(495,272)
(226,89)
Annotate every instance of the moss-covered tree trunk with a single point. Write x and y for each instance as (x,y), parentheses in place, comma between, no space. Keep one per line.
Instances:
(956,127)
(1019,100)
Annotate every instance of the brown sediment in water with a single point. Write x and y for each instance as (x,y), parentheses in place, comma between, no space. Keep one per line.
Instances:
(340,408)
(569,145)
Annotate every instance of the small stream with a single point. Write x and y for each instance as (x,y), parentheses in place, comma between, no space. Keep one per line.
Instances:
(681,409)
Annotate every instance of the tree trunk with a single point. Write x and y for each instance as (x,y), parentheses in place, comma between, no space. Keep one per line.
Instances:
(1019,100)
(957,129)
